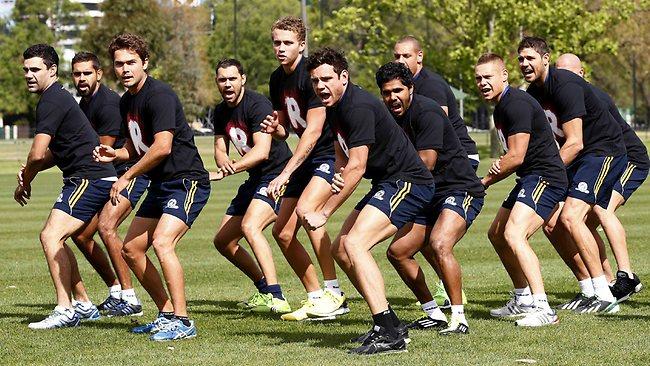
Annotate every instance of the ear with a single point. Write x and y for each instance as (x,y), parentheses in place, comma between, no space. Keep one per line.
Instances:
(145,64)
(243,79)
(53,69)
(420,57)
(344,77)
(546,59)
(301,46)
(505,75)
(100,73)
(411,90)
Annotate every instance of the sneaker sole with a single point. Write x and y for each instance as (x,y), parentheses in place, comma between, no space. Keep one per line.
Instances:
(556,321)
(332,315)
(510,316)
(118,316)
(381,353)
(176,339)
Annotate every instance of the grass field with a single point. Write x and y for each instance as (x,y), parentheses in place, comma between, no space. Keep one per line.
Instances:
(228,336)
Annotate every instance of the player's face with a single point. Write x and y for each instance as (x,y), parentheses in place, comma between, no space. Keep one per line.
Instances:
(396,96)
(286,46)
(86,78)
(532,64)
(491,80)
(328,85)
(230,84)
(38,75)
(129,68)
(405,53)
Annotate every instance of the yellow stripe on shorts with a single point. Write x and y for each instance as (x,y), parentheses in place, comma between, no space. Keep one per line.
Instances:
(399,196)
(77,193)
(603,173)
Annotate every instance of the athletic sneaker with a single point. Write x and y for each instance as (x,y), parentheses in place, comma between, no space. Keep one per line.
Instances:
(538,318)
(426,322)
(328,306)
(175,330)
(89,312)
(109,304)
(155,326)
(258,299)
(401,329)
(380,341)
(512,309)
(126,309)
(300,314)
(455,327)
(599,306)
(578,301)
(624,287)
(441,297)
(59,318)
(272,304)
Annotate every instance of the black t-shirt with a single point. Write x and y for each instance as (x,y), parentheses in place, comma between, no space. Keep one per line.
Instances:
(73,138)
(518,112)
(293,95)
(103,112)
(240,123)
(433,86)
(360,119)
(428,127)
(636,150)
(156,108)
(565,96)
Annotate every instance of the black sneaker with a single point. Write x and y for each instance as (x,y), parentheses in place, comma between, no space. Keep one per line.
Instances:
(109,304)
(380,341)
(455,328)
(126,309)
(624,287)
(578,301)
(599,306)
(402,330)
(426,322)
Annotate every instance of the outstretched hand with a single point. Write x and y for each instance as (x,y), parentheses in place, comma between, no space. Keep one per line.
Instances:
(270,123)
(337,182)
(104,154)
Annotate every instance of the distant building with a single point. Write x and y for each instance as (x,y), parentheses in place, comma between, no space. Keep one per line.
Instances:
(6,6)
(70,34)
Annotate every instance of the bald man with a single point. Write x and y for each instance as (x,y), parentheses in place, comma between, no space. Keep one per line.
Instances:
(627,283)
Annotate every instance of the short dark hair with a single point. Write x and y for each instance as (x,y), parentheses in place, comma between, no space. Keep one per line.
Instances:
(328,56)
(85,57)
(488,57)
(292,24)
(129,41)
(227,62)
(44,51)
(392,71)
(538,44)
(411,39)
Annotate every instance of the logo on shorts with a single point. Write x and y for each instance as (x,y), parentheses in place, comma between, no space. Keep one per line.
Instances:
(379,195)
(262,191)
(450,201)
(60,198)
(522,193)
(325,168)
(582,187)
(172,204)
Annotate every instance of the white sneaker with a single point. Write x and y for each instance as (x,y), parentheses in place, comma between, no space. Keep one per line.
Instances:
(512,309)
(538,318)
(329,306)
(59,318)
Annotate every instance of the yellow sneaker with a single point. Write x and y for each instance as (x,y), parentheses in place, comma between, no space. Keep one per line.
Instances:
(300,314)
(267,302)
(329,306)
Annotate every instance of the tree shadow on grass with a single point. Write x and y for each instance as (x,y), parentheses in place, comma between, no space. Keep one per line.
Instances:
(325,339)
(49,306)
(26,317)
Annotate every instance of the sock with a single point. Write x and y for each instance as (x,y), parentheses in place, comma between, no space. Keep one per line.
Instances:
(169,315)
(274,290)
(384,320)
(115,291)
(629,273)
(433,311)
(260,284)
(129,296)
(458,314)
(185,320)
(523,296)
(315,294)
(393,317)
(541,301)
(333,285)
(602,289)
(587,287)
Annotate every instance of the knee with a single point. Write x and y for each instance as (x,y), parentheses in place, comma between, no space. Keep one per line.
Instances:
(567,220)
(441,247)
(513,236)
(301,211)
(249,228)
(282,237)
(106,229)
(129,254)
(338,250)
(48,238)
(162,245)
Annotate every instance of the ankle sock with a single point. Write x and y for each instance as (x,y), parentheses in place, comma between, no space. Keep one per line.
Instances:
(384,320)
(184,319)
(313,295)
(115,291)
(260,284)
(587,287)
(333,285)
(523,296)
(274,290)
(129,296)
(169,315)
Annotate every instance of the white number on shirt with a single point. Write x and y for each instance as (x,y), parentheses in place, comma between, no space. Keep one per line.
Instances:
(136,137)
(239,139)
(502,140)
(344,146)
(294,114)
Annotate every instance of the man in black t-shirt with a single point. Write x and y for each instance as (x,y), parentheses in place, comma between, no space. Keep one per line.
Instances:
(368,144)
(102,108)
(237,120)
(531,153)
(627,283)
(456,203)
(592,149)
(308,174)
(163,144)
(64,138)
(409,52)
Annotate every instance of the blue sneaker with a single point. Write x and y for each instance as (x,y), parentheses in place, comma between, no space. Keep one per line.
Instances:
(109,304)
(174,331)
(86,312)
(126,309)
(155,326)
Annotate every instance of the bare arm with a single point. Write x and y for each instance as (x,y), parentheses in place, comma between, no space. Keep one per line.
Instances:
(573,143)
(259,152)
(158,151)
(315,123)
(352,173)
(39,158)
(429,158)
(507,164)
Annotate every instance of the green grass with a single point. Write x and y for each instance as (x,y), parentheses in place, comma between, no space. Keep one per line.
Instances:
(228,336)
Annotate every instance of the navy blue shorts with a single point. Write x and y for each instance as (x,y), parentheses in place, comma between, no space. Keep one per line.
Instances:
(592,178)
(536,193)
(252,188)
(474,160)
(464,204)
(182,198)
(630,181)
(83,198)
(135,190)
(322,166)
(400,201)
